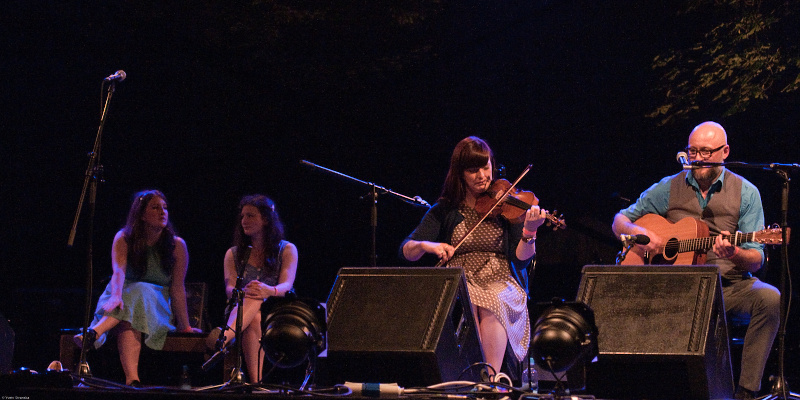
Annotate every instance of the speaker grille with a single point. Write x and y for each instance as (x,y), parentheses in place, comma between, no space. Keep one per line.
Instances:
(383,318)
(649,311)
(661,332)
(406,325)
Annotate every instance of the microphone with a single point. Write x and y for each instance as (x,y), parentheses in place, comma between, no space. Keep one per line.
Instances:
(241,262)
(635,239)
(116,76)
(420,201)
(683,158)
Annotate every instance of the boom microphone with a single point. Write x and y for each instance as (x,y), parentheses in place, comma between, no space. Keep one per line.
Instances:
(635,239)
(420,201)
(118,76)
(683,158)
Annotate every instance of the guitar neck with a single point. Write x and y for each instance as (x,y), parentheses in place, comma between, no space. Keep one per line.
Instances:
(706,243)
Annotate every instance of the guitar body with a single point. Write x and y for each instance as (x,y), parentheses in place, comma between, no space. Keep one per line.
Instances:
(685,229)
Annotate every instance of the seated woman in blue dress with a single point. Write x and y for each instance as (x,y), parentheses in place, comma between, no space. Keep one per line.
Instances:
(146,297)
(267,264)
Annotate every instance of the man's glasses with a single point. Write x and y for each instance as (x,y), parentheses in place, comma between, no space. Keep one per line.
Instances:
(705,153)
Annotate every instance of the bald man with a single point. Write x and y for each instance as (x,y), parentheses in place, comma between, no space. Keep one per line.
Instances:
(727,203)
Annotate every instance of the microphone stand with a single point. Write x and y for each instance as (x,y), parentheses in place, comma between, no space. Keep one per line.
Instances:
(779,387)
(624,252)
(237,298)
(93,174)
(375,190)
(237,376)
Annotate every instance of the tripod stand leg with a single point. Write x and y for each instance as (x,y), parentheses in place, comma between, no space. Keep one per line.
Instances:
(780,392)
(309,372)
(306,379)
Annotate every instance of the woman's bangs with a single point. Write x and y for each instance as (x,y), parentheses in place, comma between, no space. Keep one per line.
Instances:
(475,159)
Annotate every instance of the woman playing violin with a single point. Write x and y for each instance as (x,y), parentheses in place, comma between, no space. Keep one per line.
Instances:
(495,255)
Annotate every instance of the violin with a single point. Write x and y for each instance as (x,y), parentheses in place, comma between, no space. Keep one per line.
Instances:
(514,206)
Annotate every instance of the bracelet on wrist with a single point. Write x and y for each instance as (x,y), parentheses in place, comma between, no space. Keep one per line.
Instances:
(528,234)
(531,239)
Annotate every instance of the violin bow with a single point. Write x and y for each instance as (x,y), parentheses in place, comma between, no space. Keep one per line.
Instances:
(488,213)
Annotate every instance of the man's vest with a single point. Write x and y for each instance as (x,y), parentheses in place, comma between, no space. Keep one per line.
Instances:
(721,213)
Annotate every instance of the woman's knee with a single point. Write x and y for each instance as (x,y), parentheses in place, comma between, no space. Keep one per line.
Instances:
(124,326)
(485,313)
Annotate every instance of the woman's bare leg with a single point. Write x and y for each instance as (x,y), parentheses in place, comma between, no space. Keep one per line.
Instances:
(129,343)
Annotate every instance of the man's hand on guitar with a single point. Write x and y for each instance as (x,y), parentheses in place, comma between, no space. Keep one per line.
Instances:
(723,247)
(624,225)
(656,244)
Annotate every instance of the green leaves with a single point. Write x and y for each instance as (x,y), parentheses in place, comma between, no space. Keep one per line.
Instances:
(745,57)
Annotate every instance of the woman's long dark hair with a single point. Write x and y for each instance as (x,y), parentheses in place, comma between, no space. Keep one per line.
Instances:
(470,152)
(273,231)
(135,234)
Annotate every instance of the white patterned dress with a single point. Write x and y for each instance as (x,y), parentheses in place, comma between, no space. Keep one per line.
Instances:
(489,281)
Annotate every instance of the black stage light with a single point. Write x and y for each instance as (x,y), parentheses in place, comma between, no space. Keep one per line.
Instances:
(564,334)
(293,330)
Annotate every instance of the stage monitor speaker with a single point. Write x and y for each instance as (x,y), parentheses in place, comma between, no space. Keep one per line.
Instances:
(662,332)
(411,326)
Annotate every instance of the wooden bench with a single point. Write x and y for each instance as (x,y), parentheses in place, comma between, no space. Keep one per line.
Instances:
(176,342)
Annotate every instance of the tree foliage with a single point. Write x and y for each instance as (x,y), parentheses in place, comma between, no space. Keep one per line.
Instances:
(322,46)
(747,55)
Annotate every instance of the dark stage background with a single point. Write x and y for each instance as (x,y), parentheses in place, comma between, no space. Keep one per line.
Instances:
(225,98)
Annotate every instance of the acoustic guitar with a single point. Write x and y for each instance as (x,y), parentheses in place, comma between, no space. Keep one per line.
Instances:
(687,241)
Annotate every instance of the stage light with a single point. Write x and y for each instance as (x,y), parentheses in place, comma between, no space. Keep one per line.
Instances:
(564,334)
(293,330)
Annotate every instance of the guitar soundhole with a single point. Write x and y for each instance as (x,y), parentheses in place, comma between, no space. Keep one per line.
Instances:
(671,249)
(659,259)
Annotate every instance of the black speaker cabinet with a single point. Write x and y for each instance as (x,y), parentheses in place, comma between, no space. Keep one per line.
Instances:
(662,332)
(411,326)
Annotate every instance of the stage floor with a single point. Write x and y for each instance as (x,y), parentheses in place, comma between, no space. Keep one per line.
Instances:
(160,372)
(243,393)
(483,392)
(65,385)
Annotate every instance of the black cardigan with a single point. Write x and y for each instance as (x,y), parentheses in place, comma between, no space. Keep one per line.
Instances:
(439,223)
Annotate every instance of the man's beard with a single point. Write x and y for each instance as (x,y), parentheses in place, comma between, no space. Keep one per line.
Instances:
(706,174)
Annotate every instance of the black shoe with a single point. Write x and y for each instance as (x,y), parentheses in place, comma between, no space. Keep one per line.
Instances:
(744,394)
(91,337)
(135,384)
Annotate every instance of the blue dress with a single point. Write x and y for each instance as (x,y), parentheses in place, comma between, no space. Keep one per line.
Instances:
(146,303)
(253,273)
